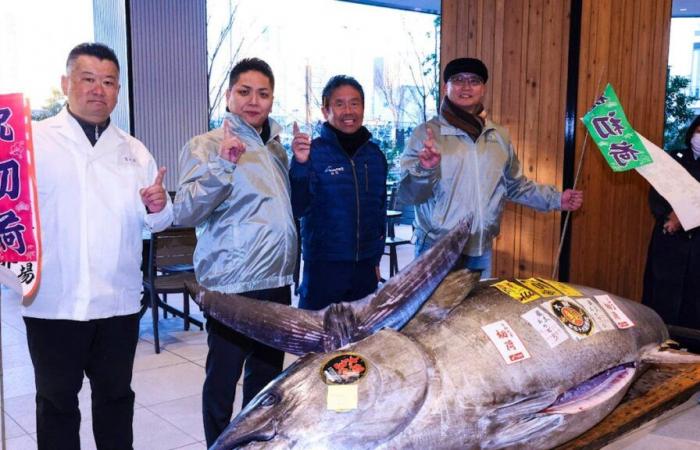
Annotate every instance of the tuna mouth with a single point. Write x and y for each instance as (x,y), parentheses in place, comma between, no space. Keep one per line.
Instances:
(594,391)
(232,440)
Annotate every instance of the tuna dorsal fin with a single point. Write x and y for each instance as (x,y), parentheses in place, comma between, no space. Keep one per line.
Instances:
(664,354)
(298,331)
(404,294)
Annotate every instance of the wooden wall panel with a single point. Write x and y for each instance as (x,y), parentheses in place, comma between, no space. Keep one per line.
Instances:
(625,43)
(524,43)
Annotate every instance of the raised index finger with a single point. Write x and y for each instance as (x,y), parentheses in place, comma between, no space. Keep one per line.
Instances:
(160,176)
(227,129)
(295,128)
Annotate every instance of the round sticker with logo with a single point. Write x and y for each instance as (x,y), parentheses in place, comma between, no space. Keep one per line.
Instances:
(573,317)
(347,368)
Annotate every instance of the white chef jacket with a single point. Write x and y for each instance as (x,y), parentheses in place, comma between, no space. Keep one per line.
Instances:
(92,219)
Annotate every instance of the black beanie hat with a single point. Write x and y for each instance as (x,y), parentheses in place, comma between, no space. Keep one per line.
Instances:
(470,65)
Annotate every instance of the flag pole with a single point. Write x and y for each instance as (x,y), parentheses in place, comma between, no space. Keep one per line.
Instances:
(567,215)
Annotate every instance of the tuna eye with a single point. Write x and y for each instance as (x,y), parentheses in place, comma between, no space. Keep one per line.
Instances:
(269,399)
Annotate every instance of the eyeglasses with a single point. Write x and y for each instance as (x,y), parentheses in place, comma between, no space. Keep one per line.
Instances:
(463,80)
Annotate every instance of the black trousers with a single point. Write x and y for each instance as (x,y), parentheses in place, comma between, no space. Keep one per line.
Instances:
(62,351)
(228,350)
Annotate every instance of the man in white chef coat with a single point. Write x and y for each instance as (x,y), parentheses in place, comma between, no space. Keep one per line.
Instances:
(98,189)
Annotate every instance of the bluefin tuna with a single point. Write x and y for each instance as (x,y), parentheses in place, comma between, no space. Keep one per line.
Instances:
(440,360)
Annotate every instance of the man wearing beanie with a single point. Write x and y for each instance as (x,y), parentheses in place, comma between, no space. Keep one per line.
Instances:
(461,165)
(339,191)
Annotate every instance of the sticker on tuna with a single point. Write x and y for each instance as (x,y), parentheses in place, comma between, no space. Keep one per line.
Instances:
(540,287)
(341,397)
(514,290)
(614,311)
(344,369)
(546,326)
(506,341)
(563,288)
(572,316)
(602,321)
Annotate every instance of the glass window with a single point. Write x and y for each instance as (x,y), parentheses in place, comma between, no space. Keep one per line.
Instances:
(392,53)
(683,85)
(35,47)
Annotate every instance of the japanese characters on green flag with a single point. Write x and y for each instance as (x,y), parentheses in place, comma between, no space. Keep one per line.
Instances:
(20,246)
(613,134)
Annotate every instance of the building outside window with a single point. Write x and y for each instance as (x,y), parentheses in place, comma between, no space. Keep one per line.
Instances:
(393,53)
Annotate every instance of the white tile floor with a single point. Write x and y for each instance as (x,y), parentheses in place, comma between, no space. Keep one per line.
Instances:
(168,391)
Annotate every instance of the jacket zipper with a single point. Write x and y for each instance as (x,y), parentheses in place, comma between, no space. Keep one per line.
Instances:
(366,179)
(357,206)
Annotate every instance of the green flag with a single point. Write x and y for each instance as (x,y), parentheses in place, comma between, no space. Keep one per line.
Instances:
(613,134)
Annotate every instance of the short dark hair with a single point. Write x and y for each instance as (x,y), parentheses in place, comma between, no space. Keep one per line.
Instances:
(99,51)
(691,130)
(336,82)
(248,64)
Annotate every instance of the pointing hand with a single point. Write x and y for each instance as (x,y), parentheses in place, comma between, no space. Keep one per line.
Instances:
(301,145)
(231,148)
(154,196)
(429,157)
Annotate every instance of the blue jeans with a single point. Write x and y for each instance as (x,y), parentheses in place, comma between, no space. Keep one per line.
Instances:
(482,263)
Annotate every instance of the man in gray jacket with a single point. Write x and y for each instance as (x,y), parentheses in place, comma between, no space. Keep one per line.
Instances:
(460,164)
(235,189)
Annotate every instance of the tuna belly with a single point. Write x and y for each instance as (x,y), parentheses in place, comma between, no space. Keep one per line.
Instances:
(574,412)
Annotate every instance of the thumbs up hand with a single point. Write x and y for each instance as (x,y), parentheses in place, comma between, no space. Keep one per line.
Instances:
(301,145)
(429,157)
(154,196)
(231,148)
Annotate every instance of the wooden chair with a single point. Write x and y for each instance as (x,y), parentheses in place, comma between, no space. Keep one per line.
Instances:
(169,267)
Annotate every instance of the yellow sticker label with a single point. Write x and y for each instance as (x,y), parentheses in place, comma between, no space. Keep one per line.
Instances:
(539,287)
(341,397)
(514,290)
(563,288)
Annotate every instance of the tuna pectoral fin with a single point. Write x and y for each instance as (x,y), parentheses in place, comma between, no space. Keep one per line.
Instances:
(521,432)
(285,328)
(665,355)
(404,294)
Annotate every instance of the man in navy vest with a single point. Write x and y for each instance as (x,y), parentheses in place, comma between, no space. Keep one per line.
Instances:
(339,191)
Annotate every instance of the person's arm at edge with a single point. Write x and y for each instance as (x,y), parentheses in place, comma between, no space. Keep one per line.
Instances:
(521,190)
(300,183)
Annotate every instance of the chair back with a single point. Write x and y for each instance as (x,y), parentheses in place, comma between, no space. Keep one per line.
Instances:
(172,250)
(408,212)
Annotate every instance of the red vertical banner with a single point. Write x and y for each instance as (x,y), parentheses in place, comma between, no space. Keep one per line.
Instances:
(20,246)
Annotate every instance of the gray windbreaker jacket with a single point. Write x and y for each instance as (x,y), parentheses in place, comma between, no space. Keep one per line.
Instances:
(246,235)
(473,179)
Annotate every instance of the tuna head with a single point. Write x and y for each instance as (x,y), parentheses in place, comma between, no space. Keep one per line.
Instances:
(388,373)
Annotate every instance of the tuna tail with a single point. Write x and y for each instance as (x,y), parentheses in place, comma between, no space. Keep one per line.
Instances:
(298,331)
(664,354)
